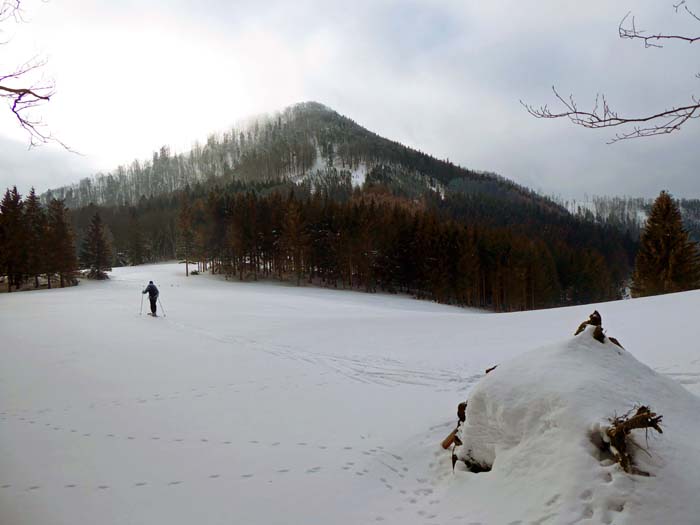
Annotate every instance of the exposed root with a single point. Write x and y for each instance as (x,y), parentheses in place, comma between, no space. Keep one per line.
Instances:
(461,418)
(593,320)
(454,441)
(618,440)
(598,333)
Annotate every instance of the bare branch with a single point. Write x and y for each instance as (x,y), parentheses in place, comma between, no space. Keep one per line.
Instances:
(687,9)
(21,89)
(631,32)
(22,95)
(10,9)
(602,116)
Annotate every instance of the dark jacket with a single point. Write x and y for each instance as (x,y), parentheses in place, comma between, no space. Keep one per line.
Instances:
(152,291)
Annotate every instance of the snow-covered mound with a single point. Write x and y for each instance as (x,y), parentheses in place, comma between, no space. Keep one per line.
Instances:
(537,421)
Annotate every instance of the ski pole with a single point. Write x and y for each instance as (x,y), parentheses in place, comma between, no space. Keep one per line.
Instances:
(141,310)
(161,307)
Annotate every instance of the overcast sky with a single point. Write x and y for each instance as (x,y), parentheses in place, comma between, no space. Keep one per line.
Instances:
(445,77)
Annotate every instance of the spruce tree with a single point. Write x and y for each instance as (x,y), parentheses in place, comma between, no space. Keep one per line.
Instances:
(13,252)
(135,247)
(667,261)
(60,244)
(293,238)
(35,221)
(96,253)
(185,238)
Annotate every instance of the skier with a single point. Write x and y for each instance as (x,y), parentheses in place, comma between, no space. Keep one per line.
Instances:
(152,292)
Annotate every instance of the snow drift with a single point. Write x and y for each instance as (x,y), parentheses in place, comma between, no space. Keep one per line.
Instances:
(537,421)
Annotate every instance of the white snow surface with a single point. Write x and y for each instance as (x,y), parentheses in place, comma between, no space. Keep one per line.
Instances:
(533,418)
(260,403)
(358,175)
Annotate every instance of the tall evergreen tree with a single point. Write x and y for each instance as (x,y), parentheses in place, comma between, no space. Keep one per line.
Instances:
(35,222)
(667,260)
(96,253)
(293,239)
(185,239)
(135,246)
(60,244)
(13,252)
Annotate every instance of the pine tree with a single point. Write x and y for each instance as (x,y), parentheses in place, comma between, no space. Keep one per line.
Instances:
(35,221)
(60,244)
(667,261)
(135,246)
(293,238)
(96,253)
(13,252)
(185,238)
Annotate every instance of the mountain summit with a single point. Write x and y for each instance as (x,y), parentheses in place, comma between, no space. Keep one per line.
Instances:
(304,143)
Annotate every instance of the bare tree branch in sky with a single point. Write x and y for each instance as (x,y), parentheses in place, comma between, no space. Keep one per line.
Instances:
(21,89)
(603,116)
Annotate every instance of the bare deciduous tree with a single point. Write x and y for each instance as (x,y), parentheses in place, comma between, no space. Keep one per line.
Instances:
(20,87)
(603,116)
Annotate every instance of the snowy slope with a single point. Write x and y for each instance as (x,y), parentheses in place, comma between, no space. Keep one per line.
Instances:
(261,403)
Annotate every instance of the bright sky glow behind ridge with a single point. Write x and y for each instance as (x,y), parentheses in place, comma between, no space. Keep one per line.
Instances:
(443,77)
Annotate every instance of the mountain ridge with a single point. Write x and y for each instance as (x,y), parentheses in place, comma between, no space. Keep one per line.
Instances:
(307,142)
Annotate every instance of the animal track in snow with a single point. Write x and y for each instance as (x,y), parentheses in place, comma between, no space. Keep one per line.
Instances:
(551,501)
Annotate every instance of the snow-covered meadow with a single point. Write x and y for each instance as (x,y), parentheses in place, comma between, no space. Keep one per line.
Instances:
(259,403)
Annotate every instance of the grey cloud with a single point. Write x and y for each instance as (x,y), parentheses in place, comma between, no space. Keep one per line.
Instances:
(44,167)
(446,77)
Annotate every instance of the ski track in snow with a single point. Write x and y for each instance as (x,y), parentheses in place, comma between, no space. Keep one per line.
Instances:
(401,476)
(380,371)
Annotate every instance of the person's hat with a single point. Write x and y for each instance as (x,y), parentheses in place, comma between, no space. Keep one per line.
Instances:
(150,282)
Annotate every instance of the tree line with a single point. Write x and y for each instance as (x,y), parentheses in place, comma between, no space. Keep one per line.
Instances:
(460,249)
(524,255)
(376,242)
(35,241)
(629,214)
(37,244)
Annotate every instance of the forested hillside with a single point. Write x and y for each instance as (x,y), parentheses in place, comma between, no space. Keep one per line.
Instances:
(307,142)
(458,249)
(628,214)
(309,196)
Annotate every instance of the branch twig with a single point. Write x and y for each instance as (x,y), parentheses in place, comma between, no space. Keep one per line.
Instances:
(602,116)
